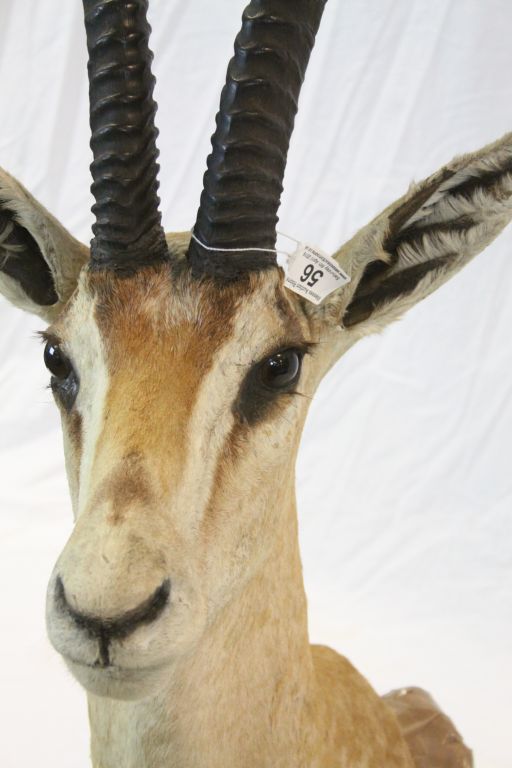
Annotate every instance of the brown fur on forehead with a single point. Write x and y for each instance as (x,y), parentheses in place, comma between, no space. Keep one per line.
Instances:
(163,298)
(159,335)
(161,332)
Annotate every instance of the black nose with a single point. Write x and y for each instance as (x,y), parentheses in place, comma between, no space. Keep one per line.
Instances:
(105,630)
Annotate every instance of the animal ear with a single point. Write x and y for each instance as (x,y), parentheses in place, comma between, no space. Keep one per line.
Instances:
(39,259)
(424,238)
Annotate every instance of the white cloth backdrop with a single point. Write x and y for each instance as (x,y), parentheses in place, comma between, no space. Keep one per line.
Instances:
(404,478)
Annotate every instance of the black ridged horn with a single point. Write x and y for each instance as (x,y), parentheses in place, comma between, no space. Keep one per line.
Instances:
(127,231)
(243,182)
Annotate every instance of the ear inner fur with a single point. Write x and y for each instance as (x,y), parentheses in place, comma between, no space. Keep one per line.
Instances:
(433,231)
(22,260)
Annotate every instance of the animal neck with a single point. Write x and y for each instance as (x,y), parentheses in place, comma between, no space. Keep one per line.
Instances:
(245,689)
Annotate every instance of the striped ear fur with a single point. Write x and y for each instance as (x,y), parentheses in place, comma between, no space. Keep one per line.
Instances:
(424,238)
(39,259)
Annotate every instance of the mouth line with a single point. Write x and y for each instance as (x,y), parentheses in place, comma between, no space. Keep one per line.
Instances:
(111,669)
(98,665)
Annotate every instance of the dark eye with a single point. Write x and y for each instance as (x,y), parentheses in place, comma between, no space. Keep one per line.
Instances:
(64,381)
(265,384)
(282,369)
(56,361)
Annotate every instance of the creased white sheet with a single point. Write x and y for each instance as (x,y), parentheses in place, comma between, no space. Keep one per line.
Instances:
(404,478)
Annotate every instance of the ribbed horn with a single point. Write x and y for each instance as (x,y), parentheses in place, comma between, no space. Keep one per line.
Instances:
(243,181)
(127,231)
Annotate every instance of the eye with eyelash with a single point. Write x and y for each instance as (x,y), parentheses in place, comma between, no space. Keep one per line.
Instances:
(64,381)
(274,376)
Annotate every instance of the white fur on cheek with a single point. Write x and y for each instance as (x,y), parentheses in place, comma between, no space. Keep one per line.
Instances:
(89,361)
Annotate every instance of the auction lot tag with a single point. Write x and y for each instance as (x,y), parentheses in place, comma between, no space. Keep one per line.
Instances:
(313,274)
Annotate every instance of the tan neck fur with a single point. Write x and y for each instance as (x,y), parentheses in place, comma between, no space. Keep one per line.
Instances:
(246,688)
(254,693)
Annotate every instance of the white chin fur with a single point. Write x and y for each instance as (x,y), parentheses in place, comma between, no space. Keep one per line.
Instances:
(118,683)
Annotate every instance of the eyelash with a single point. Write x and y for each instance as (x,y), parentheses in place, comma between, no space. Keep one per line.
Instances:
(255,399)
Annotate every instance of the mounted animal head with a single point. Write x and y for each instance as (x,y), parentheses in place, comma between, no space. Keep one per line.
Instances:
(183,368)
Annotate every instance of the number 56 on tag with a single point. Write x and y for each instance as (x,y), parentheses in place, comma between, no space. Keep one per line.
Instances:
(313,274)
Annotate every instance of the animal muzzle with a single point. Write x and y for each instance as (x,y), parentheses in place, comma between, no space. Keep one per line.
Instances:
(106,631)
(121,601)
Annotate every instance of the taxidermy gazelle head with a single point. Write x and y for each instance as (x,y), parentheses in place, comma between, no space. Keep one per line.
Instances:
(183,368)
